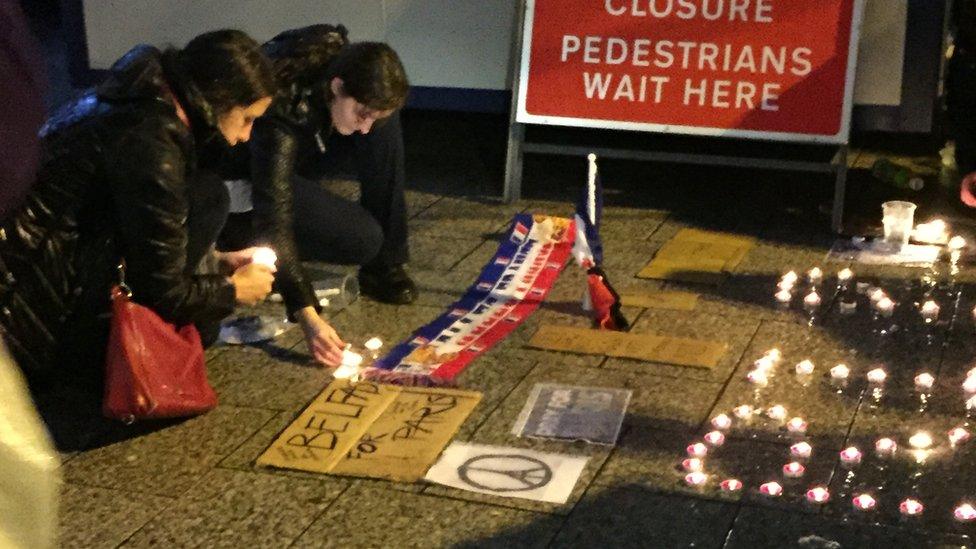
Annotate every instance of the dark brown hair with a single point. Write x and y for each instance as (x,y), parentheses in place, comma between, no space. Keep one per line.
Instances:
(371,74)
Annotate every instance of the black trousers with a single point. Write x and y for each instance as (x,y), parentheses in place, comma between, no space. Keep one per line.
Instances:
(332,229)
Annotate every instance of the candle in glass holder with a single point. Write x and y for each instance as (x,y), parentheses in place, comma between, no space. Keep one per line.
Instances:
(715,438)
(818,494)
(930,311)
(885,447)
(958,436)
(920,440)
(877,375)
(964,513)
(777,412)
(731,485)
(696,478)
(850,456)
(721,422)
(911,507)
(804,367)
(864,502)
(812,300)
(794,470)
(957,243)
(924,381)
(840,372)
(692,465)
(801,450)
(743,411)
(815,275)
(885,306)
(784,296)
(697,450)
(771,489)
(796,425)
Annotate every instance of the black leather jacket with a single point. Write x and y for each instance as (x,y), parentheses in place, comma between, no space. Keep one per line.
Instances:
(292,132)
(112,184)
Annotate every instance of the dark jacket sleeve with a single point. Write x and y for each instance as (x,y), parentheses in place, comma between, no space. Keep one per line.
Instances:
(274,150)
(148,181)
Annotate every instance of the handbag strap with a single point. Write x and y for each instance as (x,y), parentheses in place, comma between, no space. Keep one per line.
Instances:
(122,287)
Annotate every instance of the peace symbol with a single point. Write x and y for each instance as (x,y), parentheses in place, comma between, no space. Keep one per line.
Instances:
(505,472)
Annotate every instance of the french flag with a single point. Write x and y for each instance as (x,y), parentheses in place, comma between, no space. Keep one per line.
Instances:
(601,298)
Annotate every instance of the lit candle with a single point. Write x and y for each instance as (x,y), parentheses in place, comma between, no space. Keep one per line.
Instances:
(344,371)
(964,513)
(958,436)
(971,403)
(911,507)
(790,277)
(850,456)
(764,364)
(793,470)
(804,368)
(796,425)
(876,295)
(864,502)
(885,447)
(814,275)
(373,344)
(757,377)
(784,296)
(840,372)
(920,440)
(847,307)
(844,276)
(812,300)
(775,355)
(722,422)
(818,494)
(930,311)
(771,489)
(877,375)
(696,478)
(862,287)
(715,438)
(801,450)
(885,306)
(786,285)
(924,380)
(932,232)
(957,243)
(971,373)
(731,485)
(777,412)
(264,256)
(743,411)
(692,465)
(697,450)
(969,385)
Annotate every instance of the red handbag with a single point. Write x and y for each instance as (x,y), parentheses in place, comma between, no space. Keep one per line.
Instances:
(152,369)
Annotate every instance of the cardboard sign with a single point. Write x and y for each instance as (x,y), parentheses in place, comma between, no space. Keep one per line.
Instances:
(647,347)
(567,412)
(508,472)
(698,256)
(371,430)
(767,69)
(406,439)
(674,301)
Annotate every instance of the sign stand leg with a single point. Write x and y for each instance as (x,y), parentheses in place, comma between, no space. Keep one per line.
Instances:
(839,164)
(513,161)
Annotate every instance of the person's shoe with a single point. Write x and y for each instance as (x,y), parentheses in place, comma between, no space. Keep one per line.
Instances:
(389,285)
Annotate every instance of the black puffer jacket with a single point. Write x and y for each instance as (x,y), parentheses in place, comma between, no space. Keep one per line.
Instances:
(112,184)
(293,131)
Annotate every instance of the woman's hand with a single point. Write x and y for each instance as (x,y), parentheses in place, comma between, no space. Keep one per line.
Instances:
(966,190)
(322,340)
(252,283)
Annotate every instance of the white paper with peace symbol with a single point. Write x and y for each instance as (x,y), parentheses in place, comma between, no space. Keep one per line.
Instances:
(508,472)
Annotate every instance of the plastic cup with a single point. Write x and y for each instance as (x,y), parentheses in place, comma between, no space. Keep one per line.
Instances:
(898,218)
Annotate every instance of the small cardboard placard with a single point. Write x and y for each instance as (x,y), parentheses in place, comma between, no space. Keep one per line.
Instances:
(508,472)
(371,430)
(647,347)
(568,412)
(674,301)
(694,255)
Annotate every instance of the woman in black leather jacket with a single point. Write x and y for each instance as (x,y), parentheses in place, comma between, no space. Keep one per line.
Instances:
(335,111)
(118,181)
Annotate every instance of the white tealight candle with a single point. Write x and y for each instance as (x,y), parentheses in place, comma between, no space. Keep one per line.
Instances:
(697,450)
(264,256)
(350,358)
(911,507)
(850,456)
(790,277)
(885,446)
(876,295)
(794,470)
(957,243)
(971,403)
(784,296)
(885,306)
(864,502)
(743,411)
(924,381)
(721,422)
(930,311)
(692,465)
(814,275)
(958,436)
(801,450)
(964,513)
(969,385)
(764,364)
(818,494)
(715,438)
(373,344)
(731,485)
(775,355)
(345,371)
(812,300)
(796,425)
(777,412)
(877,375)
(804,368)
(757,377)
(845,275)
(920,440)
(771,489)
(840,372)
(696,478)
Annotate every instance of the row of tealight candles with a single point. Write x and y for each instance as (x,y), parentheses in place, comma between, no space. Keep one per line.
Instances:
(351,366)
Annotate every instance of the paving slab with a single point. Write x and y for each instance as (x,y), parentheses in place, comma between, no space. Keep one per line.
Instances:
(99,517)
(245,376)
